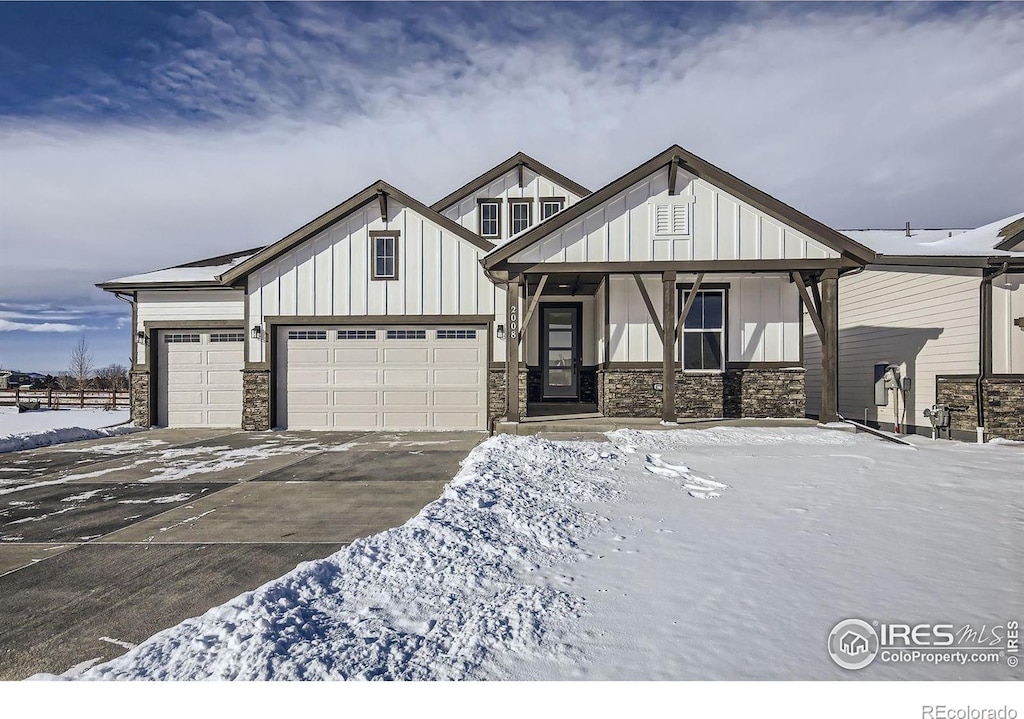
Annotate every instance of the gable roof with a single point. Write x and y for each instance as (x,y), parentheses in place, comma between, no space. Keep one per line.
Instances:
(375,191)
(704,170)
(1012,234)
(200,273)
(520,158)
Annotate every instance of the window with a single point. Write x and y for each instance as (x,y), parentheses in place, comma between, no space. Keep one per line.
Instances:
(227,337)
(384,260)
(407,334)
(550,206)
(307,334)
(671,219)
(357,334)
(179,337)
(704,331)
(490,218)
(519,212)
(456,334)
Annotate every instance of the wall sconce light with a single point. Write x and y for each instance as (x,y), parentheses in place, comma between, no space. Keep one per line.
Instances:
(256,332)
(141,337)
(501,332)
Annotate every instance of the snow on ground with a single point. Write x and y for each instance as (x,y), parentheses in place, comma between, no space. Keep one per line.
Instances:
(576,560)
(42,428)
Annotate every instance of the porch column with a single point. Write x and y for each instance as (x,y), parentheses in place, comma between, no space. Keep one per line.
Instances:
(512,330)
(830,346)
(668,346)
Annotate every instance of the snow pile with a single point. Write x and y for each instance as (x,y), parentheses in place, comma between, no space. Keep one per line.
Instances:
(629,439)
(696,486)
(43,428)
(433,599)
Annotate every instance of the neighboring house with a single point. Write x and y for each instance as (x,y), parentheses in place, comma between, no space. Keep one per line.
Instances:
(673,291)
(946,307)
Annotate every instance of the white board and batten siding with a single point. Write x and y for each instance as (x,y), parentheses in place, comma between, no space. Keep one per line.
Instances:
(1007,338)
(704,223)
(186,305)
(439,273)
(762,318)
(923,319)
(507,188)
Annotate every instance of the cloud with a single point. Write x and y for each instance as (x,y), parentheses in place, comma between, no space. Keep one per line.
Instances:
(246,121)
(8,326)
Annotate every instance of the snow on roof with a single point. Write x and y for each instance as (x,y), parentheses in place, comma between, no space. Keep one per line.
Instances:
(943,242)
(199,271)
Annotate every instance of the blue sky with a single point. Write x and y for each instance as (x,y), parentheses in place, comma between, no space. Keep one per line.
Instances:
(138,136)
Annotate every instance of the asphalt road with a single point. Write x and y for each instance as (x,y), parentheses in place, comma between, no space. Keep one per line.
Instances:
(106,542)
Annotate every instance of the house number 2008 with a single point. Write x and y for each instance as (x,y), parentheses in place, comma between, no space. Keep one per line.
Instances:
(513,323)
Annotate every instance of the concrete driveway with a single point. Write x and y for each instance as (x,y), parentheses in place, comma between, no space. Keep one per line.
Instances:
(103,543)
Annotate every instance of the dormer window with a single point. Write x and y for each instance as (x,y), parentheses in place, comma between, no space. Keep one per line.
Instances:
(490,218)
(550,206)
(519,215)
(384,255)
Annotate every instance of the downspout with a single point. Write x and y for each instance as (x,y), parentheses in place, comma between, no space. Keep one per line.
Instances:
(984,343)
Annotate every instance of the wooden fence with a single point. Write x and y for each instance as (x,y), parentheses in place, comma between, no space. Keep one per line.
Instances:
(65,399)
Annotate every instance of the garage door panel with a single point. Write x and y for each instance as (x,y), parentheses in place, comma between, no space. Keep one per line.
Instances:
(357,398)
(383,378)
(448,398)
(221,397)
(299,355)
(223,355)
(357,356)
(456,420)
(307,377)
(358,377)
(409,355)
(409,398)
(357,420)
(460,355)
(457,378)
(417,377)
(185,397)
(184,356)
(230,377)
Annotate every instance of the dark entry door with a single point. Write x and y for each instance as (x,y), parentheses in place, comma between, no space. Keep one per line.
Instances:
(560,351)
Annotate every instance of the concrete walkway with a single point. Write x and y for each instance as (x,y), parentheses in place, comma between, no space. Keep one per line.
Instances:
(103,543)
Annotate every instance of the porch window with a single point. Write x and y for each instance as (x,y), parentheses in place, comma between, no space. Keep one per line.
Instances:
(704,331)
(490,218)
(519,215)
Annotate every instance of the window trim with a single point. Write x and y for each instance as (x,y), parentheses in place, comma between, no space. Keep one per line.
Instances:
(512,203)
(721,287)
(561,206)
(496,201)
(374,236)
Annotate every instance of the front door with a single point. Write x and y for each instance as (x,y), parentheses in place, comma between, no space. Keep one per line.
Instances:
(560,351)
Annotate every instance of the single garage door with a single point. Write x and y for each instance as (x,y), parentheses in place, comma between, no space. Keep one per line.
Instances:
(200,378)
(382,378)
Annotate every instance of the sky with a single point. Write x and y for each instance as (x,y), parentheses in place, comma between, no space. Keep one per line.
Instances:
(140,136)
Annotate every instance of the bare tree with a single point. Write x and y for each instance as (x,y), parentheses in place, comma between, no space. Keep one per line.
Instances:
(114,377)
(80,364)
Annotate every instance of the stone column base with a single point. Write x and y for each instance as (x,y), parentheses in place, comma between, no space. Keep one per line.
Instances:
(256,400)
(139,397)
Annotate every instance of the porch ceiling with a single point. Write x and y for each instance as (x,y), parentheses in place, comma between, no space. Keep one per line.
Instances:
(566,283)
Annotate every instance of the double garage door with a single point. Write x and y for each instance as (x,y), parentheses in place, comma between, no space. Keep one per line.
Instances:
(367,378)
(199,378)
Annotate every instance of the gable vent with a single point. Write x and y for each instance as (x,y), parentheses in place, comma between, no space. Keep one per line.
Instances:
(671,219)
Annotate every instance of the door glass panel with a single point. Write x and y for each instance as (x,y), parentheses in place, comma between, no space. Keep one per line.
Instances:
(559,338)
(559,358)
(559,377)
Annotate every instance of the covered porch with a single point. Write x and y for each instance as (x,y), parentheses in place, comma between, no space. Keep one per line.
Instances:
(592,341)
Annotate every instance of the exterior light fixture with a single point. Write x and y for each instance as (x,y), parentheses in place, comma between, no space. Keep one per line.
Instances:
(256,332)
(141,336)
(501,332)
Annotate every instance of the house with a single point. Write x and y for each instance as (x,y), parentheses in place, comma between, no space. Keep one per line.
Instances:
(945,309)
(676,290)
